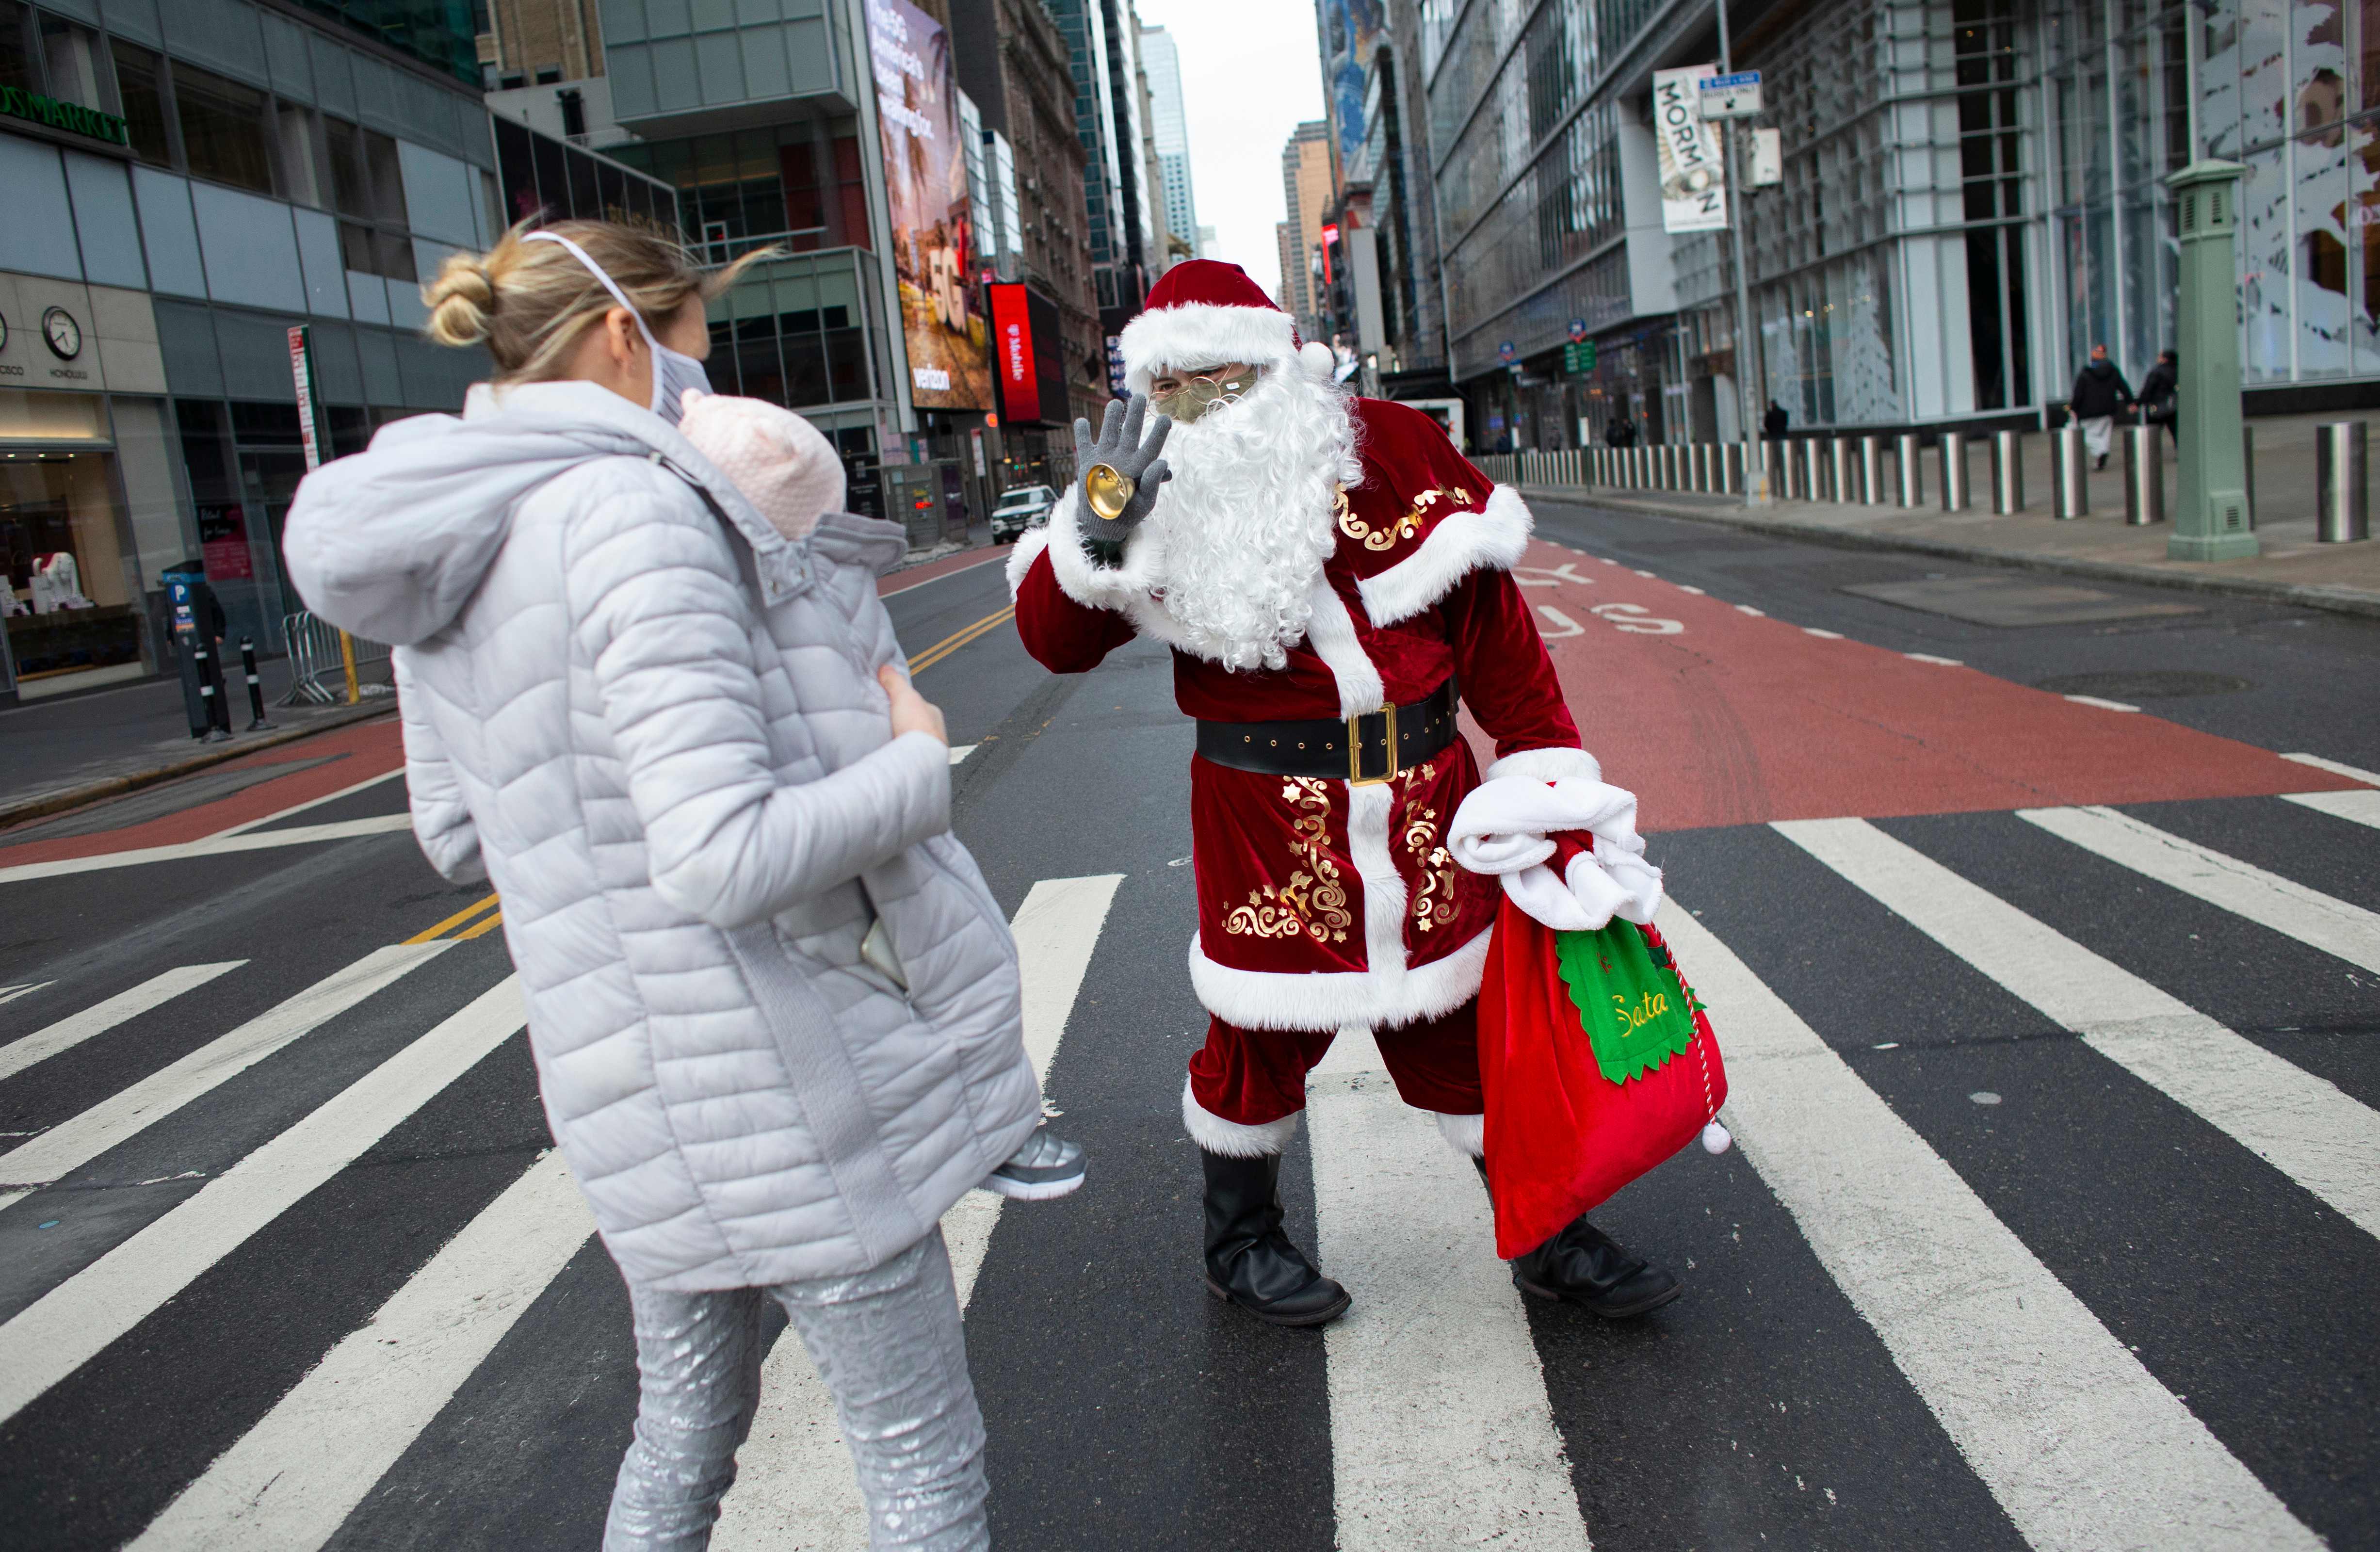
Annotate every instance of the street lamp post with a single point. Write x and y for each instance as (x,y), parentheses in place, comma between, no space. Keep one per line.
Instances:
(1755,477)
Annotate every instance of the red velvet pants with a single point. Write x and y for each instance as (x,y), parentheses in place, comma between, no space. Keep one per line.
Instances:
(1251,1076)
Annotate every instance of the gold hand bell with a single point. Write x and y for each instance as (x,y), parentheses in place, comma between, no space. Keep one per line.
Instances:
(1109,490)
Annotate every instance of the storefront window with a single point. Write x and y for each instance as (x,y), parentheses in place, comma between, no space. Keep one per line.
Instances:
(71,613)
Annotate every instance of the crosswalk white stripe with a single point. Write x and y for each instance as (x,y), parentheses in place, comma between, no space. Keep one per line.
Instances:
(365,785)
(101,1017)
(213,845)
(63,1328)
(794,1484)
(2080,1444)
(299,1472)
(24,988)
(2361,807)
(1441,1431)
(2302,1124)
(2308,915)
(2354,773)
(77,1141)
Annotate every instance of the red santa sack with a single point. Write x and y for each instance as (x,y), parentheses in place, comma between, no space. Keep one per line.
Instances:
(1598,1064)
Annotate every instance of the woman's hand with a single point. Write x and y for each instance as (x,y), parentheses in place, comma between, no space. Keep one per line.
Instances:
(911,711)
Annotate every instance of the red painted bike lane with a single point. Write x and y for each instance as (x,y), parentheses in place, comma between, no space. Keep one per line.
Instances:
(1716,714)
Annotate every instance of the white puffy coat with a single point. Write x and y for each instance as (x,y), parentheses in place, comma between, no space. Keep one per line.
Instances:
(658,729)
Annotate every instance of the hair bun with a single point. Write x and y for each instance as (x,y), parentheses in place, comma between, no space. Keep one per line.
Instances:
(461,301)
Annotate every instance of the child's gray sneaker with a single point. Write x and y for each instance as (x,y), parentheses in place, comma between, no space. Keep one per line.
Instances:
(1045,1166)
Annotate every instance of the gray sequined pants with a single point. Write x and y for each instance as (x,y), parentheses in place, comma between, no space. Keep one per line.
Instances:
(887,1342)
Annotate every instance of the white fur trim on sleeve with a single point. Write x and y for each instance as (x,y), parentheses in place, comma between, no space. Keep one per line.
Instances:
(1127,589)
(1233,1139)
(1205,335)
(1494,537)
(1020,561)
(1546,765)
(1466,1135)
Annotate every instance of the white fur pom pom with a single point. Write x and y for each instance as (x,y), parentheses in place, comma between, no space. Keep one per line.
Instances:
(1715,1138)
(1317,358)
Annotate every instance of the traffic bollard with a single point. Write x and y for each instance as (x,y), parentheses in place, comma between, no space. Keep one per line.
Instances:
(2070,489)
(2342,517)
(1871,463)
(1845,473)
(1731,469)
(2248,468)
(2144,476)
(1809,457)
(2008,472)
(210,690)
(1788,470)
(255,686)
(1910,470)
(1701,467)
(1953,446)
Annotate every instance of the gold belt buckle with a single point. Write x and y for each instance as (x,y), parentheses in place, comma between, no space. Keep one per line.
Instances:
(1355,777)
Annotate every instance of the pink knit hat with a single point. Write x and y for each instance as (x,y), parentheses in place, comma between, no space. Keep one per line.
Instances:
(783,464)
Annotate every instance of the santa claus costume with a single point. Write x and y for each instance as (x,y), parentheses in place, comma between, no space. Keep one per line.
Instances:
(1331,575)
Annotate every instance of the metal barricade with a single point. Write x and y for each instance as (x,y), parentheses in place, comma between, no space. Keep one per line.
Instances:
(2144,476)
(1912,472)
(317,670)
(2342,514)
(2070,487)
(2008,472)
(1953,446)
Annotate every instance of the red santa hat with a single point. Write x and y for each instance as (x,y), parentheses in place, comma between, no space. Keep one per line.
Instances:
(1202,313)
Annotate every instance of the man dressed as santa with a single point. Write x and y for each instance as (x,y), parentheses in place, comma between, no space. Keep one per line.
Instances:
(1331,575)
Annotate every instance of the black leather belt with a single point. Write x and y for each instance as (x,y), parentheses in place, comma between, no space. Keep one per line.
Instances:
(1374,747)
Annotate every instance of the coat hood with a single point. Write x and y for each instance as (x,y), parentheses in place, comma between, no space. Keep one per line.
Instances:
(392,542)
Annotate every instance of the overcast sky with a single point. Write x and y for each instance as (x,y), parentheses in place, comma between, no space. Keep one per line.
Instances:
(1251,72)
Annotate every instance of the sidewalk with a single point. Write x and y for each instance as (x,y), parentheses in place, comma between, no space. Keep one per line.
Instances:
(2294,567)
(79,749)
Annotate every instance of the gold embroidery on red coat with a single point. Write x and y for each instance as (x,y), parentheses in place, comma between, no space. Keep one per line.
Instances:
(1312,904)
(1403,528)
(1434,905)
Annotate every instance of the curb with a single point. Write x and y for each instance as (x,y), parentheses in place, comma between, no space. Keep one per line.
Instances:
(221,754)
(2336,601)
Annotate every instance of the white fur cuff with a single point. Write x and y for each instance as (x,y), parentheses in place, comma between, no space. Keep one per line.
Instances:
(1466,1135)
(1233,1139)
(1546,765)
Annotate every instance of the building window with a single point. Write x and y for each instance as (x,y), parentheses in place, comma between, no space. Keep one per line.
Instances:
(76,64)
(301,170)
(140,82)
(16,50)
(549,75)
(512,82)
(224,132)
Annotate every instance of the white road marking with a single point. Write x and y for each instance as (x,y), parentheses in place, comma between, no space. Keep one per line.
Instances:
(2362,807)
(364,785)
(23,988)
(2370,777)
(1822,635)
(80,1139)
(213,845)
(2312,917)
(2302,1125)
(1441,1431)
(1747,609)
(793,1484)
(1696,592)
(1640,572)
(100,1017)
(2080,1444)
(65,1327)
(1930,658)
(292,1478)
(1563,625)
(960,752)
(2103,705)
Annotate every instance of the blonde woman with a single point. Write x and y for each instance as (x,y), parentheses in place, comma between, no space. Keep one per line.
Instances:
(775,1008)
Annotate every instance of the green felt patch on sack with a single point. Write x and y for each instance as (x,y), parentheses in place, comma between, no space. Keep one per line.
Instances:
(1635,1011)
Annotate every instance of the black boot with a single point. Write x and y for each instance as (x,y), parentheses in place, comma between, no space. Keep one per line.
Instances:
(1585,1266)
(1249,1261)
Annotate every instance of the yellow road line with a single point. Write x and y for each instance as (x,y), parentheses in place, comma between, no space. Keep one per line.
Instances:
(457,919)
(951,644)
(489,925)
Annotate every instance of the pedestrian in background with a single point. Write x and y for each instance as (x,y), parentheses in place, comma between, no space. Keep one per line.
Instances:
(2100,393)
(775,1009)
(1620,430)
(1773,424)
(2160,390)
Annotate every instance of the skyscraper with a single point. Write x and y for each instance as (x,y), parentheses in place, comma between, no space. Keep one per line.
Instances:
(1306,188)
(1163,65)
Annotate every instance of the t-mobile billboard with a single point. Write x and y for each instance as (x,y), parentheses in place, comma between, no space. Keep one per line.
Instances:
(926,187)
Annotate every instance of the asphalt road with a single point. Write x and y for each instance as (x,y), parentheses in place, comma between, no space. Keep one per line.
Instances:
(2052,1032)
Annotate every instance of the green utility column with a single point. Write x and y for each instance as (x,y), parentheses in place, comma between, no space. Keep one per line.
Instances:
(2210,522)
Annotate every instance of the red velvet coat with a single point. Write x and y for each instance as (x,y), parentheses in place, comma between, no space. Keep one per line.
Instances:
(1323,905)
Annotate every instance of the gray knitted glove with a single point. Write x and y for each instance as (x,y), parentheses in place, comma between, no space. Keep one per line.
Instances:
(1120,474)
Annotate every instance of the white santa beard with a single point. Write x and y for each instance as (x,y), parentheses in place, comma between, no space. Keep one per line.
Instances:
(1240,532)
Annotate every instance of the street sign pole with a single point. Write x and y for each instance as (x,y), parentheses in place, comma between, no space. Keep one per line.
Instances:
(310,435)
(1755,475)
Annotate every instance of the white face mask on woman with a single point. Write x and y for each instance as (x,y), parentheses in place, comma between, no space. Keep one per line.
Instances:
(673,370)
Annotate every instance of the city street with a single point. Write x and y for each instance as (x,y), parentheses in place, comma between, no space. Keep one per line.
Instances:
(2039,922)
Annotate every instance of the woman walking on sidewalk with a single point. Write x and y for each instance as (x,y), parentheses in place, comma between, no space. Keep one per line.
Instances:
(775,1008)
